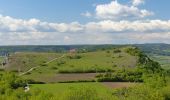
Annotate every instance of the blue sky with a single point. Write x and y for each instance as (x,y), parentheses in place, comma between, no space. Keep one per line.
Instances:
(24,22)
(70,10)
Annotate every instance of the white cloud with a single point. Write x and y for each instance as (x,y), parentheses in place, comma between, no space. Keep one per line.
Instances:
(87,14)
(137,2)
(10,24)
(129,26)
(33,31)
(115,10)
(149,38)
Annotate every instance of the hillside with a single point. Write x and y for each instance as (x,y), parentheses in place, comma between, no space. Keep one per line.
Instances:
(158,52)
(52,66)
(110,73)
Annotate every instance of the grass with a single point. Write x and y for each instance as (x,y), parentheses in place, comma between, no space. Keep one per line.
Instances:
(1,59)
(81,91)
(89,62)
(99,61)
(63,89)
(24,61)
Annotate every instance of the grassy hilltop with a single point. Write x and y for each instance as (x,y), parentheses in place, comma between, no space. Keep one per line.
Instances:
(99,61)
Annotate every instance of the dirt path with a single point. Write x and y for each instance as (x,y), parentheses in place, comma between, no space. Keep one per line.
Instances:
(68,77)
(55,59)
(40,66)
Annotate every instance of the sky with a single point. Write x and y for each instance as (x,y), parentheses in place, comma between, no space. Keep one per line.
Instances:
(64,22)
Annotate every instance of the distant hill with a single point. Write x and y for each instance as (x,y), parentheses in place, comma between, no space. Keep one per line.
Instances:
(159,49)
(38,65)
(53,48)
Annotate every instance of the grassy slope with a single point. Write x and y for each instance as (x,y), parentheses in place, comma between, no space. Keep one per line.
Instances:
(89,61)
(61,87)
(25,61)
(97,60)
(1,59)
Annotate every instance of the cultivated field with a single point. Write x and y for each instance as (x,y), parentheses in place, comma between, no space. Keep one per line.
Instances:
(163,60)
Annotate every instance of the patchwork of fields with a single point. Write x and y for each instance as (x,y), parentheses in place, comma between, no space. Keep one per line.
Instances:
(163,60)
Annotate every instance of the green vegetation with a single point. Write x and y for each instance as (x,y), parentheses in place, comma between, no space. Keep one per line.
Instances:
(146,66)
(85,75)
(12,89)
(121,76)
(25,61)
(158,52)
(100,61)
(163,60)
(1,59)
(77,91)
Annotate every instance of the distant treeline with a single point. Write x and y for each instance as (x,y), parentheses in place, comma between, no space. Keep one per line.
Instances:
(160,49)
(54,48)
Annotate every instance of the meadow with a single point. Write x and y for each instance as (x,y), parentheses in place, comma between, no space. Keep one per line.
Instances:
(53,66)
(97,91)
(23,61)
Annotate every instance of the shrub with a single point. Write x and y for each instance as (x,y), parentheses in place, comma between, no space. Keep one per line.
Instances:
(54,67)
(61,62)
(1,69)
(116,51)
(30,81)
(107,51)
(43,64)
(74,57)
(120,76)
(77,81)
(133,51)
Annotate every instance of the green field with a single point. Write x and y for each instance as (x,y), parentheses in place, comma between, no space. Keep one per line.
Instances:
(49,65)
(88,61)
(163,60)
(64,89)
(1,59)
(60,88)
(23,61)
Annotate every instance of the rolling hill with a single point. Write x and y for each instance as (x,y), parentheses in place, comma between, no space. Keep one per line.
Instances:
(52,66)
